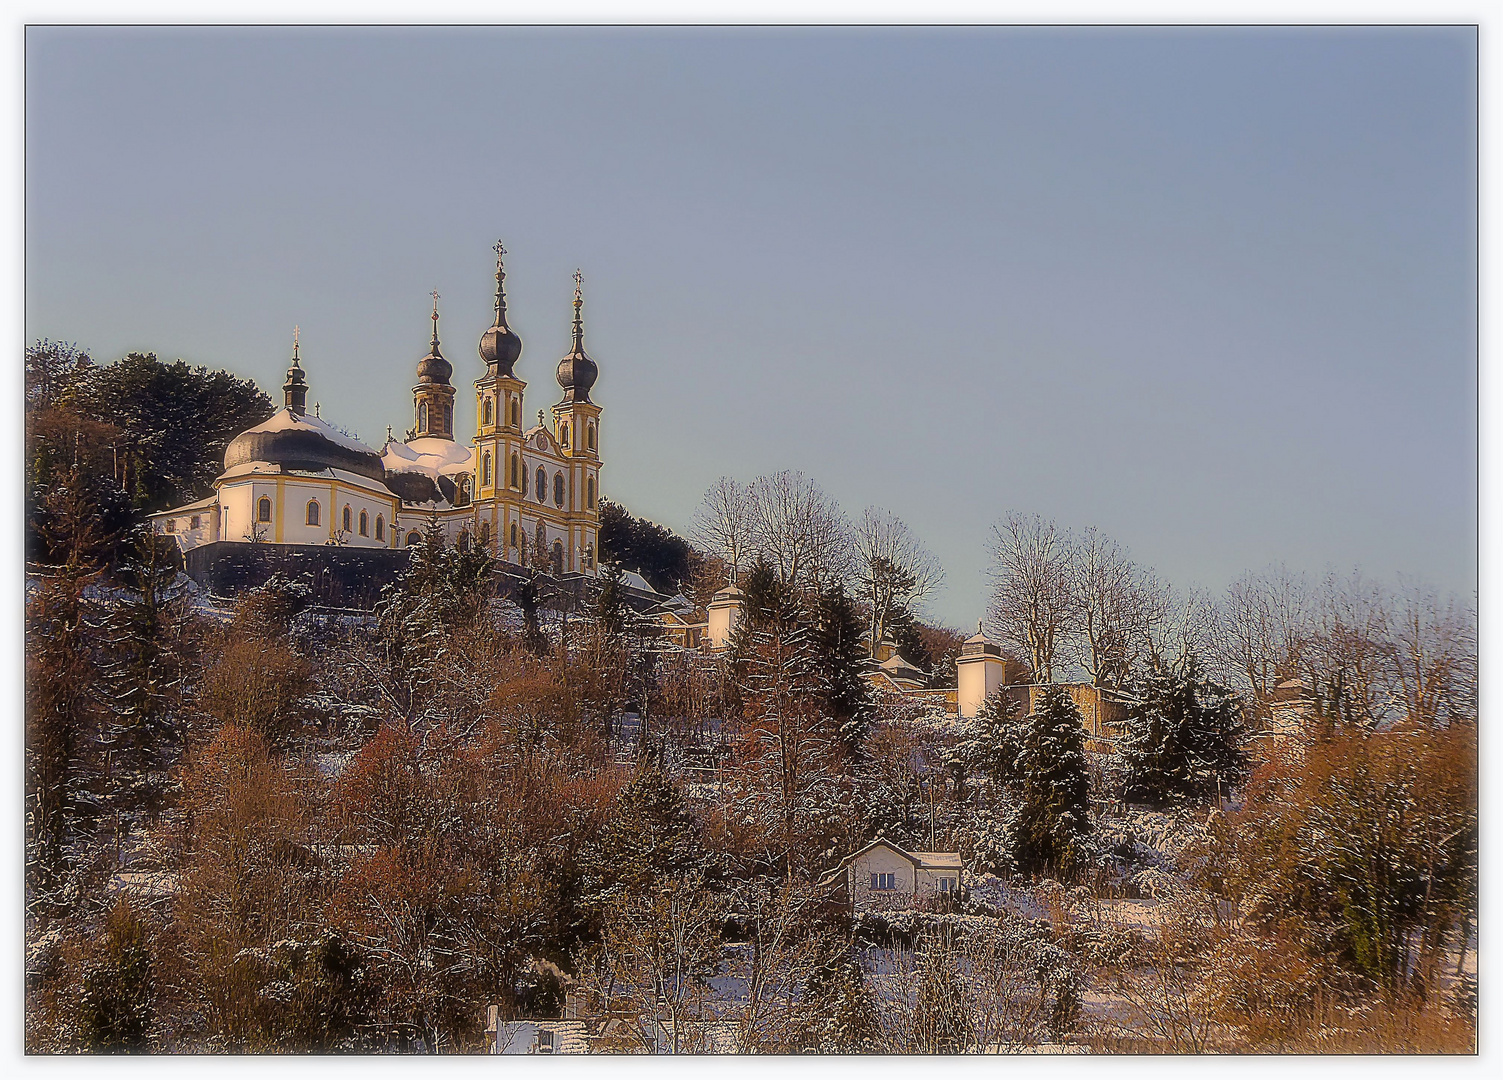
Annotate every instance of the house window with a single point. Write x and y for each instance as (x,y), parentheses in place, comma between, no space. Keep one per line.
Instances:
(346,519)
(380,527)
(485,470)
(312,516)
(591,430)
(946,885)
(263,509)
(590,493)
(884,882)
(196,523)
(172,525)
(422,417)
(542,486)
(412,539)
(364,524)
(486,411)
(558,489)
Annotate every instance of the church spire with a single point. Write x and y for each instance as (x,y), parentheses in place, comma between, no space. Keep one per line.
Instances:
(295,389)
(499,346)
(577,372)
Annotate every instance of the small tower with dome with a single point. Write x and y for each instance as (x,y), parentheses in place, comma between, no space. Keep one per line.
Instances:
(433,396)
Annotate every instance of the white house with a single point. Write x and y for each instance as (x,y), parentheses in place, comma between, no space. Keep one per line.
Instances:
(883,877)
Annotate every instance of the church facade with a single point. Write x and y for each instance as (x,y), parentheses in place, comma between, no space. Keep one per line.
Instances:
(530,493)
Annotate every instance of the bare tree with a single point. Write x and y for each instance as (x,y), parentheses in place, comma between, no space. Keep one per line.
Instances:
(1108,607)
(799,529)
(1030,607)
(896,570)
(1432,650)
(725,521)
(1264,630)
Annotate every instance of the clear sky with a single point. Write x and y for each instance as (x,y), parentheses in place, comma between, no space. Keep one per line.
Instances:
(1209,290)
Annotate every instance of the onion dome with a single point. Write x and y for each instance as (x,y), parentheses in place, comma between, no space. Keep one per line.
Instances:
(299,443)
(577,372)
(433,369)
(499,346)
(295,389)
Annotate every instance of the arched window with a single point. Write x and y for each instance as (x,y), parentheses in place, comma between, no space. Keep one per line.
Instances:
(412,539)
(486,413)
(462,491)
(558,489)
(589,556)
(485,468)
(263,509)
(542,536)
(522,549)
(365,523)
(513,534)
(516,471)
(524,480)
(516,412)
(591,431)
(448,417)
(346,519)
(563,434)
(485,534)
(558,556)
(422,417)
(590,493)
(312,517)
(463,543)
(542,487)
(380,527)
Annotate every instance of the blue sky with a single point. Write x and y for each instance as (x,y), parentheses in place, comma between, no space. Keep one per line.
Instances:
(1209,290)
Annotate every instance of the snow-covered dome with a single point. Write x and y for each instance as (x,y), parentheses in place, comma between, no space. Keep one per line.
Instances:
(302,444)
(426,470)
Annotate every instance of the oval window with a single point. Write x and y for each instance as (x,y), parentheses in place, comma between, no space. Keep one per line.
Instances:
(558,489)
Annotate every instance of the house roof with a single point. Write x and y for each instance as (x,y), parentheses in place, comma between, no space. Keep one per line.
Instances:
(187,508)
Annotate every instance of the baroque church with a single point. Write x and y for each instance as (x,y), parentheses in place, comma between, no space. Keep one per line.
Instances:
(529,493)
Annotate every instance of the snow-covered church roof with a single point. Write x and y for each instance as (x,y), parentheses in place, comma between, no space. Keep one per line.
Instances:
(435,457)
(301,443)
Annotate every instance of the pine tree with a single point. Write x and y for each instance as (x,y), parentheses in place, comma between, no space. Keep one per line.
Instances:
(991,741)
(840,662)
(1182,739)
(1053,787)
(116,1008)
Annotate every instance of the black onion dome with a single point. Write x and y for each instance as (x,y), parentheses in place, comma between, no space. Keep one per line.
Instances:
(577,372)
(302,444)
(500,347)
(433,369)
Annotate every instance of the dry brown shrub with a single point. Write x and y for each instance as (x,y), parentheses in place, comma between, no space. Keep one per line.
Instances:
(255,685)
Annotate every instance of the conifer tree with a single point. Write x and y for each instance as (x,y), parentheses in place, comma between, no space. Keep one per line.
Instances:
(1183,737)
(116,1009)
(1053,785)
(841,661)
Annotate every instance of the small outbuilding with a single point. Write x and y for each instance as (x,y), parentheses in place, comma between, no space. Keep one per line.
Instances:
(883,877)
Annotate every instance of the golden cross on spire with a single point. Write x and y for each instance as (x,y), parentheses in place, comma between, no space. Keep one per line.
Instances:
(500,251)
(434,294)
(578,283)
(294,343)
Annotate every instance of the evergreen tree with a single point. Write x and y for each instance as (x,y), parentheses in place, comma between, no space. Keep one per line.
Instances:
(1053,785)
(610,601)
(116,1008)
(842,1014)
(1183,737)
(990,742)
(841,661)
